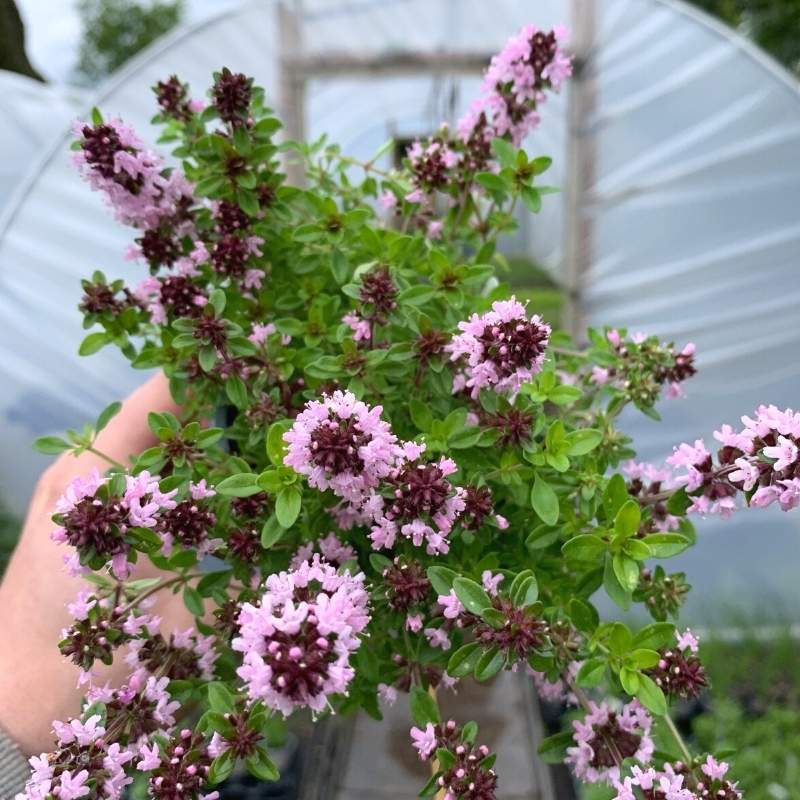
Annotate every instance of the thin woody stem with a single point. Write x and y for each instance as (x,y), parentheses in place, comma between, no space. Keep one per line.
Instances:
(434,762)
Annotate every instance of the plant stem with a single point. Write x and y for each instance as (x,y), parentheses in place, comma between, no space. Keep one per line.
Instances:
(106,458)
(158,587)
(565,351)
(434,762)
(676,735)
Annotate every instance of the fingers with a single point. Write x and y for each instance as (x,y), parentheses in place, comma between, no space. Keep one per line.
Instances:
(37,684)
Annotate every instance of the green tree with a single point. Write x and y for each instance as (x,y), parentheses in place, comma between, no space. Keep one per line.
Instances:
(772,24)
(12,42)
(115,30)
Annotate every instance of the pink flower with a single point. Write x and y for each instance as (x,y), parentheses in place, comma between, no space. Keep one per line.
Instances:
(785,453)
(600,376)
(341,444)
(501,521)
(629,730)
(437,637)
(424,741)
(298,639)
(388,200)
(747,474)
(150,758)
(451,604)
(502,349)
(434,230)
(261,332)
(687,640)
(491,582)
(200,490)
(414,622)
(387,694)
(716,770)
(360,327)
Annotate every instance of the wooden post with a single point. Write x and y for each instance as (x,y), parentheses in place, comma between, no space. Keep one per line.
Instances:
(578,225)
(291,84)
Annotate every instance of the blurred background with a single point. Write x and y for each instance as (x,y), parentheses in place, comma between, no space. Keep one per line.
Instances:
(677,148)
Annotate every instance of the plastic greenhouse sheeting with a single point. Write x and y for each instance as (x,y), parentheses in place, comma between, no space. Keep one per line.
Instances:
(691,201)
(32,114)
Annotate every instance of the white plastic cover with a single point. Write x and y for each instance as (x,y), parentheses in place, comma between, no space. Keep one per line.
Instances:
(32,114)
(692,207)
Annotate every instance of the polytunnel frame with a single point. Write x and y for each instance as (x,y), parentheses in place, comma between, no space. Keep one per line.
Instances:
(294,72)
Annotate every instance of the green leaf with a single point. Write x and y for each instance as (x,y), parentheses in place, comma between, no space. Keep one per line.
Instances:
(287,506)
(644,658)
(93,342)
(584,616)
(626,570)
(564,395)
(542,536)
(421,415)
(441,579)
(423,707)
(444,758)
(591,673)
(655,636)
(505,152)
(220,698)
(417,295)
(651,696)
(615,495)
(207,357)
(472,595)
(637,550)
(586,547)
(492,182)
(221,767)
(276,446)
(379,562)
(678,502)
(463,661)
(51,445)
(630,680)
(106,415)
(553,749)
(271,532)
(217,300)
(583,441)
(237,391)
(526,593)
(261,766)
(613,588)
(193,601)
(544,501)
(489,664)
(242,485)
(531,198)
(666,545)
(627,520)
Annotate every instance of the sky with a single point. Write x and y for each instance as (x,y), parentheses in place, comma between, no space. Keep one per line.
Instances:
(53,32)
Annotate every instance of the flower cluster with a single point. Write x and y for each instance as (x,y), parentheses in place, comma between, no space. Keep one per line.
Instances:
(648,482)
(180,770)
(642,365)
(679,672)
(82,761)
(503,348)
(331,549)
(378,295)
(298,639)
(94,521)
(114,161)
(341,444)
(604,738)
(422,505)
(515,83)
(185,655)
(467,776)
(678,782)
(760,461)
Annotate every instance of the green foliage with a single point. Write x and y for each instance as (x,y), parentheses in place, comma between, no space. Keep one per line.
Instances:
(116,30)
